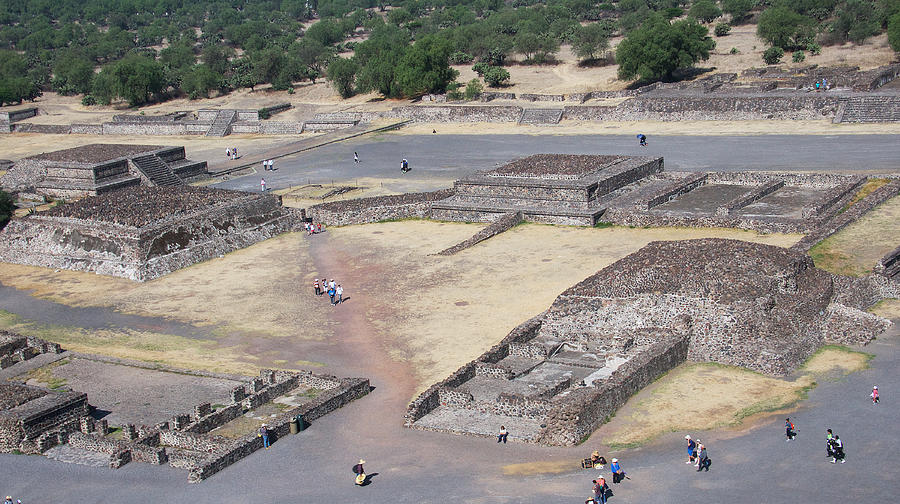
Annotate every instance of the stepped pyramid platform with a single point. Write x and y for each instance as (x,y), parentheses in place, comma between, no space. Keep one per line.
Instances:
(550,188)
(95,169)
(144,232)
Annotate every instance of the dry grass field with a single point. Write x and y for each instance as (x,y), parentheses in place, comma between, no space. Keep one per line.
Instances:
(857,248)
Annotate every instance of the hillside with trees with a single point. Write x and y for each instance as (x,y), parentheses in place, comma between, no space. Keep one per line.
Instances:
(141,51)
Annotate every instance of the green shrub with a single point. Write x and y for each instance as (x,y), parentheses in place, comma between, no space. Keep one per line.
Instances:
(460,58)
(773,55)
(814,48)
(734,50)
(893,32)
(88,100)
(480,68)
(722,29)
(496,76)
(704,10)
(473,89)
(798,57)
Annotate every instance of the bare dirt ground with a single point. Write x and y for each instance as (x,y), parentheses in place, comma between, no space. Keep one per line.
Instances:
(887,308)
(857,248)
(700,397)
(445,311)
(436,312)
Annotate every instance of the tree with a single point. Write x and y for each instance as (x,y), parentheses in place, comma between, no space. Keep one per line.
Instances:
(590,40)
(342,72)
(200,80)
(216,57)
(784,28)
(312,56)
(893,31)
(135,78)
(496,76)
(659,47)
(704,10)
(15,86)
(72,74)
(739,9)
(425,67)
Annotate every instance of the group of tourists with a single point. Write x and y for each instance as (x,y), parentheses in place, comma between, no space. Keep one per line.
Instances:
(600,488)
(231,153)
(334,291)
(313,228)
(697,454)
(834,447)
(268,165)
(822,85)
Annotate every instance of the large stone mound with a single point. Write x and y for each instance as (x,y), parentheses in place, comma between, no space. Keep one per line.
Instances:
(558,376)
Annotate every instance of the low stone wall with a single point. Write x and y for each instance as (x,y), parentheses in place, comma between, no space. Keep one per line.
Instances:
(852,214)
(889,265)
(375,209)
(493,95)
(580,412)
(430,399)
(750,197)
(11,116)
(458,113)
(542,97)
(832,197)
(672,191)
(709,108)
(504,223)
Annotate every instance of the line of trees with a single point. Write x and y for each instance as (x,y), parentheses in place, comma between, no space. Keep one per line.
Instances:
(200,47)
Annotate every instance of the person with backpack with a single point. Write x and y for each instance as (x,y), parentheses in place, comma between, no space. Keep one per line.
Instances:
(837,449)
(789,431)
(600,489)
(704,461)
(691,449)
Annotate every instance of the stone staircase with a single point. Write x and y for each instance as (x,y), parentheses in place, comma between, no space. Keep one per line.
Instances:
(221,125)
(541,116)
(871,109)
(157,171)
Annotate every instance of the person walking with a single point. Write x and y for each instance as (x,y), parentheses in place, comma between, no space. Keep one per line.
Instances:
(234,153)
(331,294)
(617,472)
(355,157)
(264,434)
(324,286)
(502,435)
(874,395)
(262,185)
(691,447)
(642,139)
(837,449)
(339,291)
(829,453)
(789,431)
(271,165)
(704,461)
(265,163)
(228,152)
(360,472)
(316,286)
(600,489)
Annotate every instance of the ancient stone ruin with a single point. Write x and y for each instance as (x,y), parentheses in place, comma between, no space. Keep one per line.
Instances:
(552,188)
(142,233)
(99,168)
(558,376)
(61,423)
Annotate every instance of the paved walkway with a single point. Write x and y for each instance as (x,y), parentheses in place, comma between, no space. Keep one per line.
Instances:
(253,160)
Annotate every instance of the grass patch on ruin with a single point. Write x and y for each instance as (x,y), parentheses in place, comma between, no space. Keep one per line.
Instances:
(854,250)
(887,308)
(868,188)
(44,375)
(542,467)
(836,359)
(124,343)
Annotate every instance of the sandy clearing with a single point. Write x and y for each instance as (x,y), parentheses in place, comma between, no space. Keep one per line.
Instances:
(135,344)
(260,292)
(858,247)
(454,308)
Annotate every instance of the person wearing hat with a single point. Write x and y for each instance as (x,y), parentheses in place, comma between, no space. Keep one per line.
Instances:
(598,460)
(618,473)
(691,449)
(874,394)
(703,461)
(360,472)
(600,488)
(264,434)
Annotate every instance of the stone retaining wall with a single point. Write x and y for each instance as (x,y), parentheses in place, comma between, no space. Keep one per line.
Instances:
(505,222)
(852,214)
(375,209)
(750,197)
(457,113)
(583,410)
